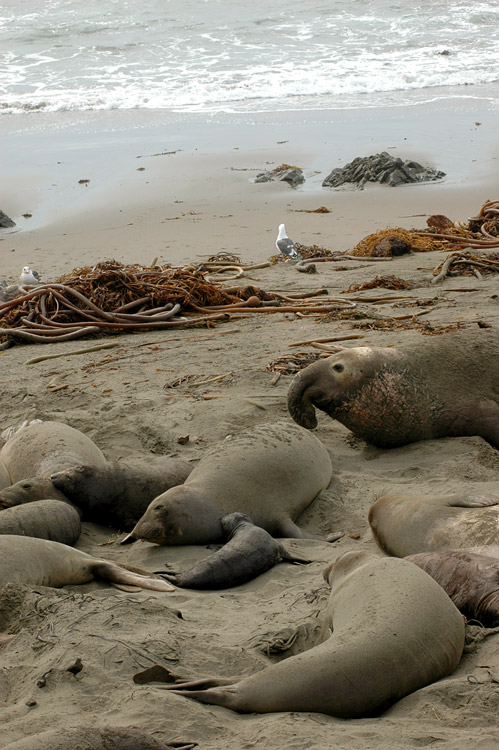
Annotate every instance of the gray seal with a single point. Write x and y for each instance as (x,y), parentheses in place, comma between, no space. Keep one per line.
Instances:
(117,494)
(40,562)
(447,386)
(382,615)
(270,472)
(47,519)
(405,525)
(248,552)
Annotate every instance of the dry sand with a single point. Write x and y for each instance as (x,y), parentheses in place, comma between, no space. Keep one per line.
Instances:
(119,399)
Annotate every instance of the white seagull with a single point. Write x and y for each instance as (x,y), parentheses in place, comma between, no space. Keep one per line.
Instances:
(30,277)
(285,245)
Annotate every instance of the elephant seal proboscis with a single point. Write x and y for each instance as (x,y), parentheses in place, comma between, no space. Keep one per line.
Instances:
(42,448)
(119,493)
(405,525)
(41,562)
(446,386)
(47,519)
(471,581)
(391,629)
(93,738)
(248,552)
(270,472)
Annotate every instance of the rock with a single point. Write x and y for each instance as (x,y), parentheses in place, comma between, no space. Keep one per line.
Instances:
(382,168)
(6,221)
(391,247)
(292,175)
(439,223)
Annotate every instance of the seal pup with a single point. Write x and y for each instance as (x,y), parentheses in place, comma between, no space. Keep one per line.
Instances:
(270,472)
(390,629)
(248,552)
(40,562)
(117,494)
(47,519)
(93,738)
(471,581)
(404,525)
(42,448)
(442,387)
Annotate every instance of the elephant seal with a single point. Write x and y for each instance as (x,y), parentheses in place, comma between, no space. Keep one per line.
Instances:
(270,472)
(471,581)
(119,493)
(248,552)
(4,476)
(42,448)
(382,615)
(47,519)
(93,738)
(29,491)
(404,525)
(40,562)
(442,387)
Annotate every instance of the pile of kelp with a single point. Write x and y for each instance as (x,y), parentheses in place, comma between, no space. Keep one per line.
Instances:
(116,298)
(481,232)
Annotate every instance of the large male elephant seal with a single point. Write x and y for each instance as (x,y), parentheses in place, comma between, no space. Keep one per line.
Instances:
(93,738)
(39,562)
(248,552)
(48,519)
(405,525)
(471,581)
(118,493)
(42,448)
(270,472)
(445,386)
(391,628)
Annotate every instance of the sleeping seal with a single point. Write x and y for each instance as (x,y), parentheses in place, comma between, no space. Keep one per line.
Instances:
(42,448)
(270,472)
(248,552)
(117,494)
(471,581)
(24,559)
(48,519)
(382,615)
(445,386)
(404,525)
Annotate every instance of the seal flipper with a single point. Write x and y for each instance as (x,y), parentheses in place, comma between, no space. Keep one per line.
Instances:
(288,529)
(290,557)
(473,501)
(117,574)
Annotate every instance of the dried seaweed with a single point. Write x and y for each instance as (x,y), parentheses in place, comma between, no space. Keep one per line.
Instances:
(289,364)
(387,282)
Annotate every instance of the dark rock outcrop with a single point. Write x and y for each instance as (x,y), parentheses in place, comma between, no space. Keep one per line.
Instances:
(382,168)
(292,175)
(6,221)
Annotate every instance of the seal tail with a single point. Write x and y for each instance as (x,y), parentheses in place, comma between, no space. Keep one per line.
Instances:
(128,576)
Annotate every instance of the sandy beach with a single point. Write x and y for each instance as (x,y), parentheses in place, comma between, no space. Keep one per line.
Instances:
(180,189)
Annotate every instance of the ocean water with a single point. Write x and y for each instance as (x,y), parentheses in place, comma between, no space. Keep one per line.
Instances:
(240,56)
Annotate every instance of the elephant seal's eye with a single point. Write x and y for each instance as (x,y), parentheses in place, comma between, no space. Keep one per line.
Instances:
(338,368)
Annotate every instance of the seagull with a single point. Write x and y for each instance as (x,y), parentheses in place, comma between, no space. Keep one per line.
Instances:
(285,245)
(29,277)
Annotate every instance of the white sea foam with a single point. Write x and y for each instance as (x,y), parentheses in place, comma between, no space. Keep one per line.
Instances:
(194,55)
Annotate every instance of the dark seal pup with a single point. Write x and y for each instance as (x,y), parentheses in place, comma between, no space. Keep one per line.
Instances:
(403,525)
(270,472)
(248,552)
(471,581)
(118,493)
(390,630)
(447,386)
